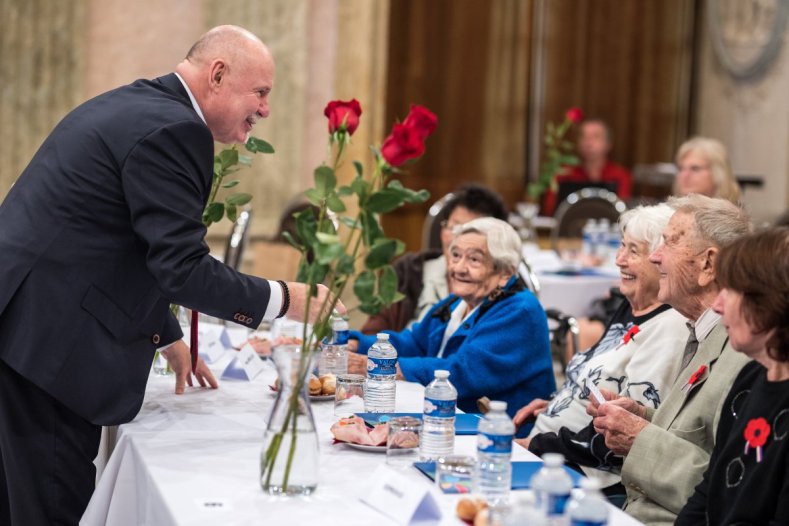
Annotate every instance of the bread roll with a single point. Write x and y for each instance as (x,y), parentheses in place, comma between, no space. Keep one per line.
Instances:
(468,508)
(328,384)
(315,385)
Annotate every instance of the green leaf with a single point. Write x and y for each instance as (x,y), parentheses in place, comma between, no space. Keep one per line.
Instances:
(371,231)
(214,213)
(246,160)
(325,181)
(239,199)
(385,200)
(317,272)
(295,244)
(230,184)
(327,238)
(364,286)
(360,187)
(232,212)
(326,253)
(359,168)
(217,166)
(387,284)
(381,253)
(569,160)
(306,226)
(334,203)
(344,191)
(349,222)
(314,197)
(345,265)
(256,145)
(372,307)
(228,157)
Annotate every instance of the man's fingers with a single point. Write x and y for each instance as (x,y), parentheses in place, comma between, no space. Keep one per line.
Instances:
(180,380)
(339,307)
(189,378)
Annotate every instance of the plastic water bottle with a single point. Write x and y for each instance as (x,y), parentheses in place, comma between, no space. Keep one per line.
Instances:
(494,451)
(379,394)
(588,507)
(588,237)
(552,487)
(334,352)
(438,425)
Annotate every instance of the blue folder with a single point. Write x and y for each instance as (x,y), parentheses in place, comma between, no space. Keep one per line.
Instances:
(465,423)
(522,472)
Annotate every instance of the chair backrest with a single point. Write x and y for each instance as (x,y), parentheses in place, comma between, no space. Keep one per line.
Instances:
(238,239)
(431,229)
(589,203)
(563,328)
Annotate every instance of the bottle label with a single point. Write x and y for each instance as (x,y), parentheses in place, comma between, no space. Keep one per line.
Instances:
(439,408)
(555,504)
(381,366)
(487,443)
(576,522)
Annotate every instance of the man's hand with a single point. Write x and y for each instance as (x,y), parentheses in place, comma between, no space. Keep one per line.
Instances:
(612,398)
(298,301)
(529,412)
(619,427)
(177,355)
(353,345)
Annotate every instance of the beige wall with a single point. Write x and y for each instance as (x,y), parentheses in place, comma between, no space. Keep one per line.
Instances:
(752,120)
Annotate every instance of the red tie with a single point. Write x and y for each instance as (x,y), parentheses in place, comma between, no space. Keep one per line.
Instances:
(193,341)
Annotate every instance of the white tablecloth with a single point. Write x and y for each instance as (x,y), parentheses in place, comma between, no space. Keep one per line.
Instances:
(573,295)
(194,459)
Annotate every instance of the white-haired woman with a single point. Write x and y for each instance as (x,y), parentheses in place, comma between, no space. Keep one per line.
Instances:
(703,167)
(639,354)
(490,333)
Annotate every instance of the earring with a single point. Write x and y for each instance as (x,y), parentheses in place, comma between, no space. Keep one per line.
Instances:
(496,293)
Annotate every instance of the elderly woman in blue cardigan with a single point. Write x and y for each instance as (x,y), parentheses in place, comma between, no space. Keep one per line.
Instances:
(490,332)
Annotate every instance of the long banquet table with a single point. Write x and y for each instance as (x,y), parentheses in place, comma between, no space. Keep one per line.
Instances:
(193,459)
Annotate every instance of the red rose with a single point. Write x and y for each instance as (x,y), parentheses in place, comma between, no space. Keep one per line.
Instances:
(422,120)
(343,115)
(574,115)
(403,144)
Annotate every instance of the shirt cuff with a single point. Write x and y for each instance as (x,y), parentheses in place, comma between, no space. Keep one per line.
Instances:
(274,301)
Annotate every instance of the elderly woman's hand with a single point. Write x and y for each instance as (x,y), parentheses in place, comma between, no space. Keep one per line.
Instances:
(353,345)
(529,412)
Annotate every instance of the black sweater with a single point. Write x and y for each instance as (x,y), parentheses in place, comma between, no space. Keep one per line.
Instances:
(737,489)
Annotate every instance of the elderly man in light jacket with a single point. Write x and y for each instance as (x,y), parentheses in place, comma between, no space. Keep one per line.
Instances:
(667,449)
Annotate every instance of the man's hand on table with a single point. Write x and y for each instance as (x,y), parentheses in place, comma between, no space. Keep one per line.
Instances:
(177,355)
(619,426)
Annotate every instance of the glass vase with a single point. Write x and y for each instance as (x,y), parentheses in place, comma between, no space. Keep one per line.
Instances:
(289,460)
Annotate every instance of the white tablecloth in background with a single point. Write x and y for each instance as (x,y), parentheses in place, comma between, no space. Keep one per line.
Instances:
(573,295)
(182,452)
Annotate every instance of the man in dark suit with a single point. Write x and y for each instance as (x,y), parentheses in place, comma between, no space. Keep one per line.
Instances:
(101,232)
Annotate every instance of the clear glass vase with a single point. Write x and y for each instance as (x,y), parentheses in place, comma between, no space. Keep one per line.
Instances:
(289,460)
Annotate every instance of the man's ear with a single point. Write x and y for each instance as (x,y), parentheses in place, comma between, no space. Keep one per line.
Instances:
(217,72)
(707,261)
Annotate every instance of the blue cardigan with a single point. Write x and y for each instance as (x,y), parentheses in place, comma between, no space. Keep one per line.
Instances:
(502,351)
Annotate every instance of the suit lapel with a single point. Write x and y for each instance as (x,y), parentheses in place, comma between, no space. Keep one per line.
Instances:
(707,354)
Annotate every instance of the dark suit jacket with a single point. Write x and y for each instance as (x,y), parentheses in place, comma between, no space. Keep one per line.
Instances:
(100,233)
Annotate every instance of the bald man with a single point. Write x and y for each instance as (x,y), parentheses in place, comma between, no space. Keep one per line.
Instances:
(101,232)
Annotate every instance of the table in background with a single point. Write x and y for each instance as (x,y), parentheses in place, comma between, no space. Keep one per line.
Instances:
(194,459)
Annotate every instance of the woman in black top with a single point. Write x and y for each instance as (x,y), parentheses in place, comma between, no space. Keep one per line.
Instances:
(747,481)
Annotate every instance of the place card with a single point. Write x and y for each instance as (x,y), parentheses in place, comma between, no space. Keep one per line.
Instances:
(245,366)
(397,497)
(213,340)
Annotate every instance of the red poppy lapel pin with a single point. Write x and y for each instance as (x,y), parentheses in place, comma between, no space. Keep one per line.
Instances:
(695,377)
(756,433)
(631,332)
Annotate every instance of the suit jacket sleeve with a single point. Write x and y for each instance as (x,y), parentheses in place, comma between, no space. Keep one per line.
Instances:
(166,179)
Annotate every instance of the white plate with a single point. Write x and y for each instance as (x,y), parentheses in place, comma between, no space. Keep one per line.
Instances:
(365,447)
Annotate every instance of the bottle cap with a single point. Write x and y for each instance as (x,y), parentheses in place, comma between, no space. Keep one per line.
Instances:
(441,374)
(382,336)
(553,459)
(497,405)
